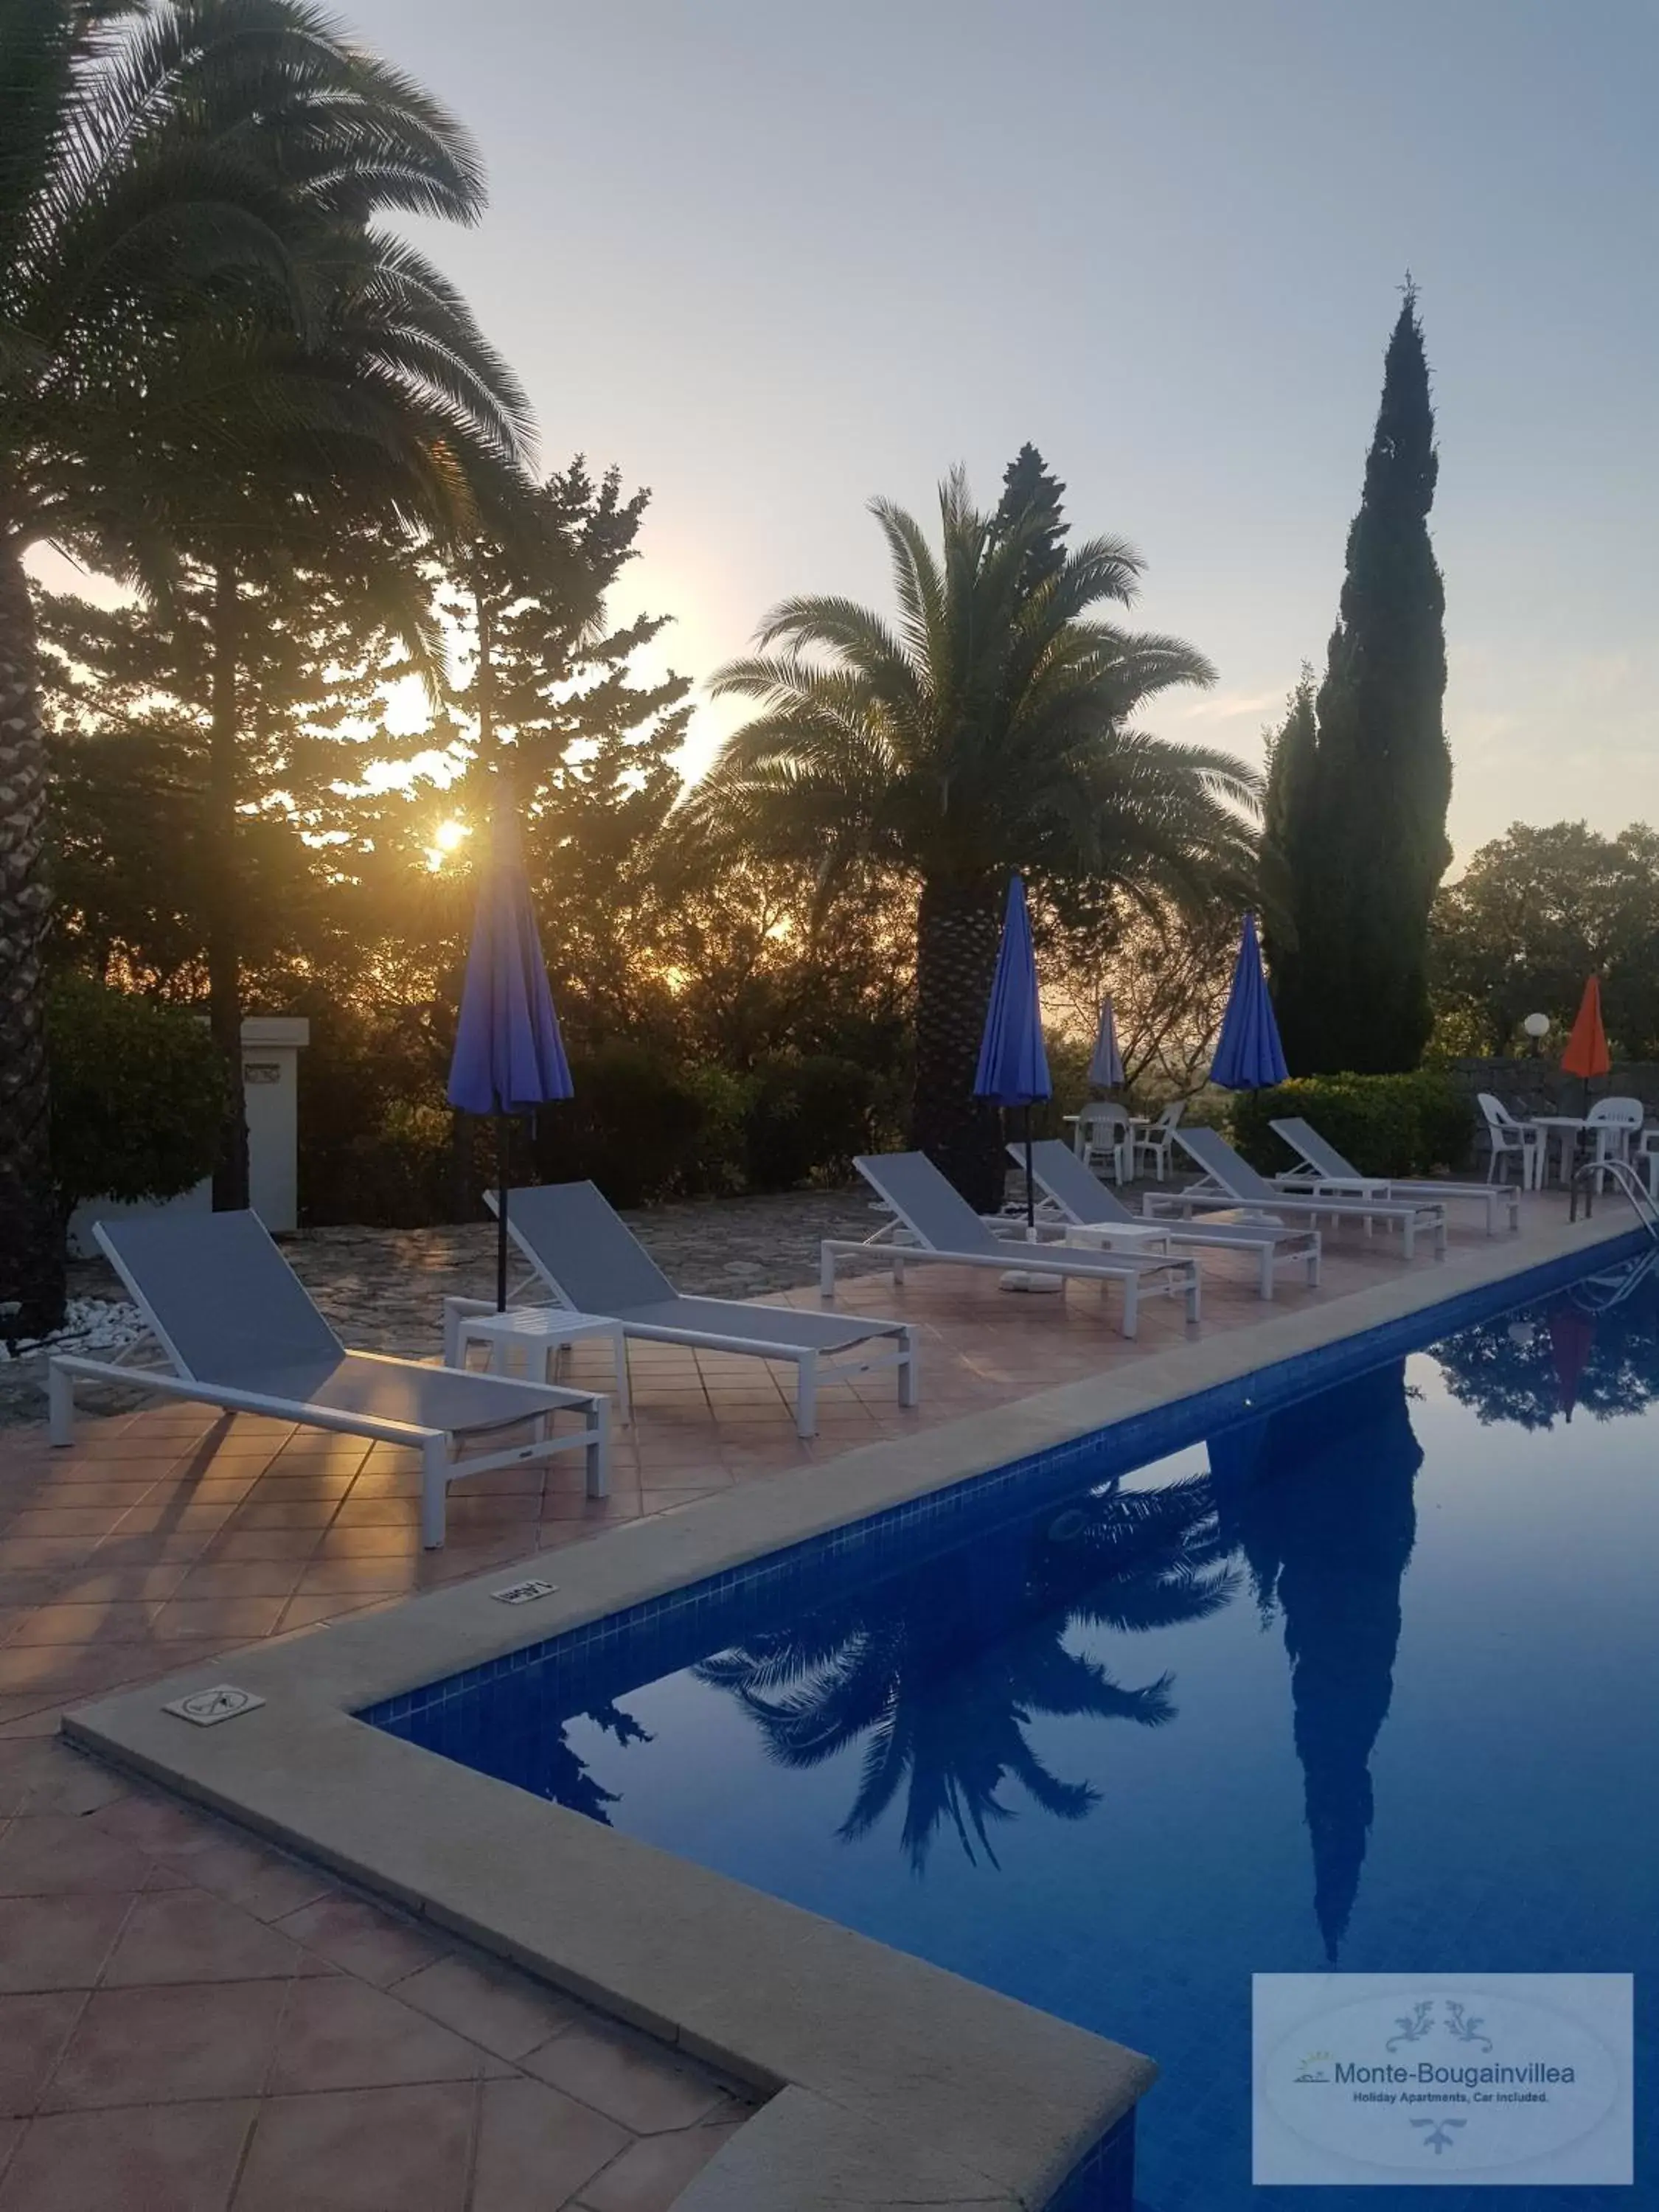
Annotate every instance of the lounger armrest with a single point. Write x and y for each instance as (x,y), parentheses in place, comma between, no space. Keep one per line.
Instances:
(234,1401)
(863,1321)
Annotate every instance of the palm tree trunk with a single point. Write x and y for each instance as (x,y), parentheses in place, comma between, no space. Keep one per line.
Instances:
(220,883)
(957,926)
(31,1228)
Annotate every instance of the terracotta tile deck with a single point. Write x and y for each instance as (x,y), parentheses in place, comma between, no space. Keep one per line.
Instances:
(189,2020)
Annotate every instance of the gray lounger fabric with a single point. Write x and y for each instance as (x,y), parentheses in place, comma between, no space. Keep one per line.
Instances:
(572,1236)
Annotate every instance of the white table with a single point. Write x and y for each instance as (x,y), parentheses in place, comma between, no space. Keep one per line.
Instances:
(538,1333)
(1102,1236)
(1567,1129)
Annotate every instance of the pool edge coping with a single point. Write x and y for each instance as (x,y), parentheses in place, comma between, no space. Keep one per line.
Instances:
(892,2059)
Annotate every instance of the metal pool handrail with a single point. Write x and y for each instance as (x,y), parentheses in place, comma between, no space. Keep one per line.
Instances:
(1625,1179)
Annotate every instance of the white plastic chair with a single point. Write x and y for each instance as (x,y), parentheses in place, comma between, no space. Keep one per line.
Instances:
(1644,1158)
(1510,1139)
(1155,1142)
(1612,1126)
(1104,1141)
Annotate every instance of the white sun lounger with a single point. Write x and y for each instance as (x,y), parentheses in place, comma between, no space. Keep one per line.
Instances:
(1321,1168)
(945,1228)
(593,1262)
(1075,1198)
(1230,1181)
(239,1330)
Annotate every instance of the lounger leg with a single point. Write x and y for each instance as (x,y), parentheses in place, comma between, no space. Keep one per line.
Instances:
(907,1393)
(898,1269)
(434,1481)
(806,1394)
(1314,1258)
(1440,1238)
(1194,1290)
(826,1272)
(598,1454)
(60,1404)
(1131,1306)
(624,1387)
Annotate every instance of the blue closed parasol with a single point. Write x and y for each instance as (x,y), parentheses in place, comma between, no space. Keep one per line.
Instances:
(509,1057)
(1248,1054)
(1013,1067)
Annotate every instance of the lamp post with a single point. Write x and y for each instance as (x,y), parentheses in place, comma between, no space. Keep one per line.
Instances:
(1537,1027)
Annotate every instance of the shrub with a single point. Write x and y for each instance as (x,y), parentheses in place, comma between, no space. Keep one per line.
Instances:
(807,1115)
(642,1127)
(138,1095)
(1386,1125)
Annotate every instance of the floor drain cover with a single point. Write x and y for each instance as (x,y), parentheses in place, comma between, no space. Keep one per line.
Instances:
(222,1703)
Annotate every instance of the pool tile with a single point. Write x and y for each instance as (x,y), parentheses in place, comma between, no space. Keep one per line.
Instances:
(48,1854)
(261,1882)
(227,1618)
(505,2012)
(165,2046)
(357,1935)
(342,2034)
(191,1936)
(169,2158)
(536,2147)
(34,2029)
(651,2173)
(57,1943)
(364,2150)
(625,2077)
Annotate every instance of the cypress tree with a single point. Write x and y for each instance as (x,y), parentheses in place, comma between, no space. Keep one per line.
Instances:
(1289,765)
(1365,832)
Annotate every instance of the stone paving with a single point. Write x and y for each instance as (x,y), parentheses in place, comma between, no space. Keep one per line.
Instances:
(188,2021)
(383,1288)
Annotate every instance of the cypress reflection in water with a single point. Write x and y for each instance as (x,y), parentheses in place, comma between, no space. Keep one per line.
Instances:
(1320,1498)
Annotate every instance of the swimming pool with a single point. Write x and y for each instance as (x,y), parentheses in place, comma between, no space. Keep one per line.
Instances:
(1275,1678)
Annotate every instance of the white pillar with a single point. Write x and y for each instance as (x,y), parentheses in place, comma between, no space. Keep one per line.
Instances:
(271,1045)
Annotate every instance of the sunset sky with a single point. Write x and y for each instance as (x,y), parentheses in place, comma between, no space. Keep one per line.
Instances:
(772,259)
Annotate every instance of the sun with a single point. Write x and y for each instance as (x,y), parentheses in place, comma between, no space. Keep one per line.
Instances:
(447,838)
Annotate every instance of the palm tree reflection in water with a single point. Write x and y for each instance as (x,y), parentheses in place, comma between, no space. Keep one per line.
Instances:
(940,1672)
(1320,1498)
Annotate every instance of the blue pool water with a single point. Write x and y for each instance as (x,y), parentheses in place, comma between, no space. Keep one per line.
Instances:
(1286,1676)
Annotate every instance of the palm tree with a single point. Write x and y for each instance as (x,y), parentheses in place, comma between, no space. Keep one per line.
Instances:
(186,268)
(987,728)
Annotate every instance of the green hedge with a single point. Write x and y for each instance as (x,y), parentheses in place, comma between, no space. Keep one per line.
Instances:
(137,1095)
(1386,1125)
(807,1116)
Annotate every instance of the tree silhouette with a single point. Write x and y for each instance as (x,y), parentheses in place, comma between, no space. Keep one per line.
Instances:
(566,1780)
(939,1672)
(1516,1368)
(1320,1498)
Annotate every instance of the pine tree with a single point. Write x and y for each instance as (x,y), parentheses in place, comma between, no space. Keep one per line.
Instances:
(1032,496)
(1366,843)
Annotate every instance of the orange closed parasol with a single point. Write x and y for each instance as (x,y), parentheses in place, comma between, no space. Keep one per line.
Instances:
(1587,1053)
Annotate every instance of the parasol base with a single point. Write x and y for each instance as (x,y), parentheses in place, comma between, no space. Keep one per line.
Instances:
(1041,1285)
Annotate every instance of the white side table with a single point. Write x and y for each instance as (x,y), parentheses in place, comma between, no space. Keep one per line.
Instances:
(540,1334)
